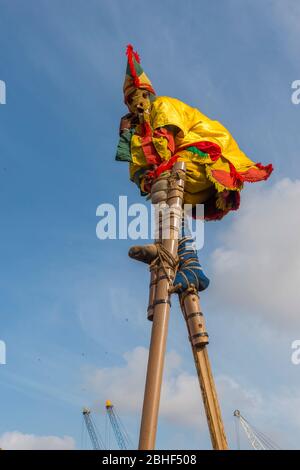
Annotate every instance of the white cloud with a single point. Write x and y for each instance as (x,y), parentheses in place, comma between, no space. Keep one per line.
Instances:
(18,441)
(121,385)
(181,400)
(273,413)
(125,386)
(257,267)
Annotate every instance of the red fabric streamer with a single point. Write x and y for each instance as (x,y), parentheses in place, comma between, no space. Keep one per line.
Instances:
(132,54)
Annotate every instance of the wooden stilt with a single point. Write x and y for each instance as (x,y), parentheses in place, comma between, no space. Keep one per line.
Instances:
(162,275)
(199,339)
(159,309)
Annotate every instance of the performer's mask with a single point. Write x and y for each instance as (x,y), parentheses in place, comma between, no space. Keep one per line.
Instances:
(139,102)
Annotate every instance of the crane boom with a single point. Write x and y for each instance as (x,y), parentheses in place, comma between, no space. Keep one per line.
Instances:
(257,439)
(254,440)
(95,439)
(121,439)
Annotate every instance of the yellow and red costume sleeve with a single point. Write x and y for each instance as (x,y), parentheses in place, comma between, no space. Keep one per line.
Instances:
(216,167)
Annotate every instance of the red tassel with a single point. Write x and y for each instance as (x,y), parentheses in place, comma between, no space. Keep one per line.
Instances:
(130,54)
(268,168)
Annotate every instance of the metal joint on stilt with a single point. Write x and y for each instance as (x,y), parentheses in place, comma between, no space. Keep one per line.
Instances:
(199,339)
(194,314)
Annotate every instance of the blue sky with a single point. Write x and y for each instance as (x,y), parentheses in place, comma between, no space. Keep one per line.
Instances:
(72,305)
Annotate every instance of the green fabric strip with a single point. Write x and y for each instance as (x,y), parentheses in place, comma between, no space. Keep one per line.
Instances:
(196,150)
(123,150)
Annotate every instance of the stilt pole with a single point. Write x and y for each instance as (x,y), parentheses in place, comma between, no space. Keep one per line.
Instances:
(159,310)
(198,337)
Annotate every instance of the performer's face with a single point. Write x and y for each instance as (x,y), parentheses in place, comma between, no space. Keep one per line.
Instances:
(139,102)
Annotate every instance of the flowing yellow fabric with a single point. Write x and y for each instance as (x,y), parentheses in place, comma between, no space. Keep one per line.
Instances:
(194,127)
(216,166)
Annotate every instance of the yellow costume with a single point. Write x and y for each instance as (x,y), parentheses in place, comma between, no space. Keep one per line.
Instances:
(216,167)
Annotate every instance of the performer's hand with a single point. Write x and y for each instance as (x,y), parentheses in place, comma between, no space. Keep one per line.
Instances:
(126,122)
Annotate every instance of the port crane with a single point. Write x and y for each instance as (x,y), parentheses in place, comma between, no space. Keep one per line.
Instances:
(96,439)
(122,438)
(257,439)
